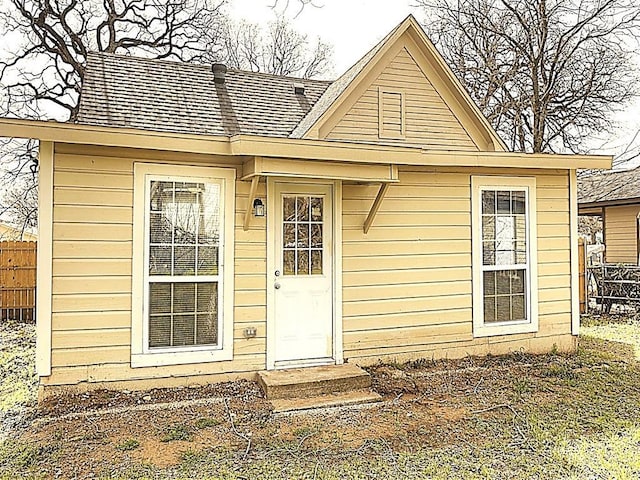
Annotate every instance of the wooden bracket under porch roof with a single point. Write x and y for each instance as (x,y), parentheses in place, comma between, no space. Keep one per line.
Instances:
(257,167)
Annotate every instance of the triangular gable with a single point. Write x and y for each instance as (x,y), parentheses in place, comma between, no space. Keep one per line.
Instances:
(440,115)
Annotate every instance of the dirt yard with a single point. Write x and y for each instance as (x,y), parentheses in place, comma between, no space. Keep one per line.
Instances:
(513,417)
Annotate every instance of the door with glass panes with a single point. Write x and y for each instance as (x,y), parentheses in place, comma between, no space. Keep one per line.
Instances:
(303,275)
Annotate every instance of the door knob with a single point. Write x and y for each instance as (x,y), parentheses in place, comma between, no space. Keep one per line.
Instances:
(277,273)
(276,286)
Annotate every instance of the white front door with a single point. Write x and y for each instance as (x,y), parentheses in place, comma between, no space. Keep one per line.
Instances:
(302,280)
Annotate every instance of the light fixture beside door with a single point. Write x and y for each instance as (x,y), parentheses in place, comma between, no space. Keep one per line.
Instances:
(258,208)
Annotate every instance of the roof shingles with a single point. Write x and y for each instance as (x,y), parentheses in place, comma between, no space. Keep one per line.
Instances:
(161,95)
(609,186)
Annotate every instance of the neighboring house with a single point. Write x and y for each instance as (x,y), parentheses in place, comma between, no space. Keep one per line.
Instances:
(396,227)
(11,233)
(614,196)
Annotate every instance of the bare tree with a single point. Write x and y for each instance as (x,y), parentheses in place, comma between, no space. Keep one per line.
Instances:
(45,45)
(548,74)
(284,5)
(48,68)
(277,49)
(41,75)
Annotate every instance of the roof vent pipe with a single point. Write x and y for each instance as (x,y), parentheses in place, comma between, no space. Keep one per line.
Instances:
(298,88)
(219,71)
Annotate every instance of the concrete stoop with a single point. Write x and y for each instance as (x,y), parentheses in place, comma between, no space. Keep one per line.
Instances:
(316,387)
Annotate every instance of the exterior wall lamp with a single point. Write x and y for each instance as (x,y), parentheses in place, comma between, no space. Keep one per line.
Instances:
(258,208)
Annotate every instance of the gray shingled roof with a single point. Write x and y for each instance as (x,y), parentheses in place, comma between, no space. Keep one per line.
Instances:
(161,95)
(609,186)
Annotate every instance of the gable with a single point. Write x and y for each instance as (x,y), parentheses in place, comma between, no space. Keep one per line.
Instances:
(402,106)
(401,58)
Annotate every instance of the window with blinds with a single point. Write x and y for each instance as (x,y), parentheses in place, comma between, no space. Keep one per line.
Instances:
(504,255)
(183,250)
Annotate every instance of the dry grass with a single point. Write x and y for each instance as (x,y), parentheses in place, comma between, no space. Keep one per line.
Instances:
(512,417)
(18,380)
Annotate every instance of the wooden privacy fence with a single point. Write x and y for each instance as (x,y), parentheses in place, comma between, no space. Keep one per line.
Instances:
(18,281)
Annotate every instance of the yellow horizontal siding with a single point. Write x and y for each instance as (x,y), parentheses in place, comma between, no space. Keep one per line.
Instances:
(621,235)
(92,248)
(416,263)
(406,285)
(428,120)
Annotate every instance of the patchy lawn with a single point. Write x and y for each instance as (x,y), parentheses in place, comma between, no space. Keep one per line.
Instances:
(513,417)
(617,328)
(18,379)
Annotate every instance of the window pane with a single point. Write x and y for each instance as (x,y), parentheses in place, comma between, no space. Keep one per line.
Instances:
(184,262)
(488,227)
(289,235)
(303,235)
(316,236)
(184,297)
(209,214)
(207,260)
(518,307)
(207,297)
(183,330)
(488,253)
(508,295)
(490,309)
(503,310)
(503,282)
(159,298)
(489,283)
(289,209)
(161,194)
(207,329)
(289,262)
(159,331)
(302,208)
(173,321)
(316,209)
(159,228)
(488,202)
(503,203)
(517,281)
(518,202)
(160,260)
(504,242)
(303,262)
(316,262)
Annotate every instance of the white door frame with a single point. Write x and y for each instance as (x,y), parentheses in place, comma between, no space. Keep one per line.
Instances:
(336,264)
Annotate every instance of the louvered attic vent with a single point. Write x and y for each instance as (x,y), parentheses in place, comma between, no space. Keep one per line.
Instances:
(391,114)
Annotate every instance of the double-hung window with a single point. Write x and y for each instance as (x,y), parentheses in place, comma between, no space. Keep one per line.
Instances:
(183,271)
(504,256)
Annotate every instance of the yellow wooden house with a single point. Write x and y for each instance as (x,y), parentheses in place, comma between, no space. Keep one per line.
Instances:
(200,223)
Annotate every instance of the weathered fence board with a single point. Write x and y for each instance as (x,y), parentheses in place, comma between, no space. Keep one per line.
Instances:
(18,281)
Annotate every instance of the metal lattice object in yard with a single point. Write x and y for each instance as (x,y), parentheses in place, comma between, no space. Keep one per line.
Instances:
(619,284)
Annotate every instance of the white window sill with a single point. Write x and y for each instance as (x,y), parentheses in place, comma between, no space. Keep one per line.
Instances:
(179,358)
(497,329)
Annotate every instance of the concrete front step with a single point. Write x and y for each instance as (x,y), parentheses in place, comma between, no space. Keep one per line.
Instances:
(313,381)
(340,399)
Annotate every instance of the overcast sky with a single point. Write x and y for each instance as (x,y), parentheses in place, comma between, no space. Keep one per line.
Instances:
(352,27)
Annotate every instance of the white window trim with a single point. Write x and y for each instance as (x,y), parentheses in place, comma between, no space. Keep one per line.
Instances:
(478,184)
(140,355)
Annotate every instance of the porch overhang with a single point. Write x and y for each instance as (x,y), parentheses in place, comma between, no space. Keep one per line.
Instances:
(327,170)
(257,167)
